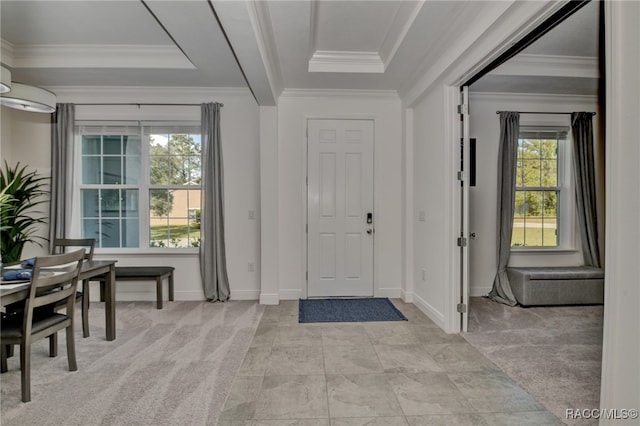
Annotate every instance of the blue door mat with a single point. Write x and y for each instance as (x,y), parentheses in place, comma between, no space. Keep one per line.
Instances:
(348,310)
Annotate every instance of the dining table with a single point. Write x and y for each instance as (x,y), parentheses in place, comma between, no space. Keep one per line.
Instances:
(17,290)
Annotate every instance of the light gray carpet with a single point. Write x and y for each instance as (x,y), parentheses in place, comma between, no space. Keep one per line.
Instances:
(166,367)
(554,353)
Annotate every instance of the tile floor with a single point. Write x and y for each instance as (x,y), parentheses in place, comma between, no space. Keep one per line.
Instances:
(373,373)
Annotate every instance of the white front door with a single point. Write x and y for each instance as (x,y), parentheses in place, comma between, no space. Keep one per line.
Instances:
(340,216)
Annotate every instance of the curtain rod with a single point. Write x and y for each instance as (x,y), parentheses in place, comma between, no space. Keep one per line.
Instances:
(141,104)
(535,112)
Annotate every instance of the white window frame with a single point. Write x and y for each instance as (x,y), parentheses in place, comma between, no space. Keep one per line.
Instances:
(566,200)
(143,186)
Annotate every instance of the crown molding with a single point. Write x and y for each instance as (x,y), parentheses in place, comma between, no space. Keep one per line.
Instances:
(347,62)
(541,98)
(549,66)
(339,93)
(138,94)
(261,22)
(6,52)
(100,56)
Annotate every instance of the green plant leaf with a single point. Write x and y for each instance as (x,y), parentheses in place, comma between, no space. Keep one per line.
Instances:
(21,191)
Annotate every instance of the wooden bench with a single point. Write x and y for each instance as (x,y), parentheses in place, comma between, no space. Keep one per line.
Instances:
(566,285)
(148,273)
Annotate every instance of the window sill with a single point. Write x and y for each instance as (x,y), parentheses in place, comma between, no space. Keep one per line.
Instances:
(518,251)
(147,252)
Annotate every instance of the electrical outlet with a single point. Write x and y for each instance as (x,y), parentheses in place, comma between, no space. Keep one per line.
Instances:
(252,214)
(424,275)
(422,216)
(251,267)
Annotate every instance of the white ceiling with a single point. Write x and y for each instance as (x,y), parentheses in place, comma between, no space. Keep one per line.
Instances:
(292,44)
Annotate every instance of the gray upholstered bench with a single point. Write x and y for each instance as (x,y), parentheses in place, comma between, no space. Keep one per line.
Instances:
(566,285)
(148,273)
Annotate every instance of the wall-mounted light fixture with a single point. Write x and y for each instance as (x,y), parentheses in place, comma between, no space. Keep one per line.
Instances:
(24,97)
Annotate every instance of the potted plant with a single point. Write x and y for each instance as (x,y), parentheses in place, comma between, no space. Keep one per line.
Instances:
(21,191)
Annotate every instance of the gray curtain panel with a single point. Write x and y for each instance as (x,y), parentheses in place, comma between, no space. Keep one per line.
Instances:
(61,171)
(585,181)
(507,155)
(213,264)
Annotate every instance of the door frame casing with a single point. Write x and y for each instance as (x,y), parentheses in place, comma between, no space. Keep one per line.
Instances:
(305,211)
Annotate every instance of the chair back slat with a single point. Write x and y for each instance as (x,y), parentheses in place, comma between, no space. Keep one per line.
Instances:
(54,278)
(62,245)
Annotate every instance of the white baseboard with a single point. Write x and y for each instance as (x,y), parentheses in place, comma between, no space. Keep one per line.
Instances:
(290,294)
(150,296)
(406,296)
(479,291)
(392,293)
(244,295)
(433,314)
(269,299)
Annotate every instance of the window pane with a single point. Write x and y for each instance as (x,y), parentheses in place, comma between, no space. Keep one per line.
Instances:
(194,170)
(130,233)
(531,172)
(517,237)
(112,171)
(550,219)
(159,170)
(519,172)
(131,145)
(549,173)
(535,221)
(179,170)
(110,233)
(91,229)
(112,145)
(175,218)
(549,149)
(529,148)
(90,145)
(130,203)
(91,170)
(89,199)
(110,202)
(132,167)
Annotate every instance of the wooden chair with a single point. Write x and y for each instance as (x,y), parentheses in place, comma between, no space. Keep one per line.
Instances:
(61,245)
(39,320)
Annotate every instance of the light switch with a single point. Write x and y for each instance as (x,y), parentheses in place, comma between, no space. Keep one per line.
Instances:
(422,216)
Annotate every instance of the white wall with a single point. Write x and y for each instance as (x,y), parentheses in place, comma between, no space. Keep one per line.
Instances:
(621,343)
(26,139)
(433,277)
(294,108)
(30,137)
(485,127)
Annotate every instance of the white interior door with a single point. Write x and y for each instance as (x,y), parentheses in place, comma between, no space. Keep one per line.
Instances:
(340,217)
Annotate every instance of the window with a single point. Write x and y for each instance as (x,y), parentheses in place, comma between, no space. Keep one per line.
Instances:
(131,169)
(174,187)
(539,188)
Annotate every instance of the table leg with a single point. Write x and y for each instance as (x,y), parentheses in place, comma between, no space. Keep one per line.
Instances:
(110,303)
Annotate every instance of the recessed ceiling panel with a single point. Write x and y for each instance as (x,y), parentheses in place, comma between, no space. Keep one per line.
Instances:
(353,26)
(79,22)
